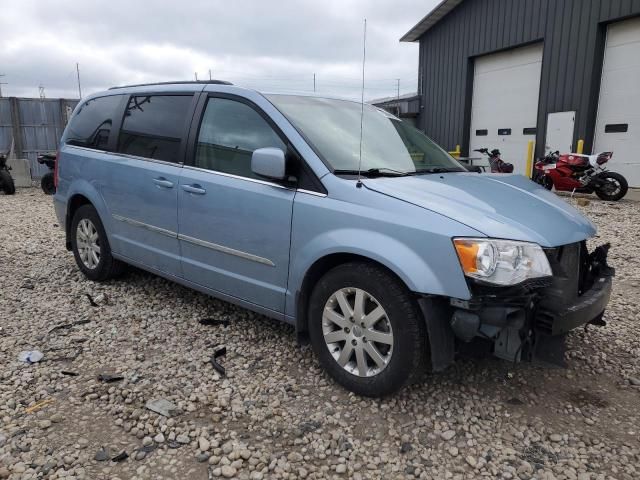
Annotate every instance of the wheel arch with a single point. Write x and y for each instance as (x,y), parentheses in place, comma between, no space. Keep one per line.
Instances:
(316,271)
(83,193)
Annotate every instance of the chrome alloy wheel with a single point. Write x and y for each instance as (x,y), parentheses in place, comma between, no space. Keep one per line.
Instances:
(88,243)
(357,332)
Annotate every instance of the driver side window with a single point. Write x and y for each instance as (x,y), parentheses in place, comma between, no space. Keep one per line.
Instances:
(229,133)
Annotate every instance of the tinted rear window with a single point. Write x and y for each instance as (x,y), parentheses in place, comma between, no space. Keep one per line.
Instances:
(153,126)
(91,125)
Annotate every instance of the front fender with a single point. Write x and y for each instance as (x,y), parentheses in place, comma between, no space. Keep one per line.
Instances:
(412,242)
(407,264)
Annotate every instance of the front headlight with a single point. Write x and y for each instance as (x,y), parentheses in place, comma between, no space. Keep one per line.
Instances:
(501,262)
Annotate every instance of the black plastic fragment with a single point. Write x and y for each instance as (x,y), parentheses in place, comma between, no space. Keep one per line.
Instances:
(214,360)
(69,325)
(69,373)
(91,301)
(109,378)
(122,456)
(213,322)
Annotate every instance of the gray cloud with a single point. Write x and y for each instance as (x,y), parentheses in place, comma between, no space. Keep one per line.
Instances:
(266,45)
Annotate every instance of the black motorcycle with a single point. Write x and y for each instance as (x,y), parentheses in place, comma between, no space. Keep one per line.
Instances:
(495,162)
(47,182)
(6,180)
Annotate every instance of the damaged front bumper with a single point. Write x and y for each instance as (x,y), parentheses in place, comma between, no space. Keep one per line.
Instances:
(529,321)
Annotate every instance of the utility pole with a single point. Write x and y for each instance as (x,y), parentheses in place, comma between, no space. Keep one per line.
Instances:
(2,83)
(314,83)
(196,74)
(398,95)
(78,74)
(210,75)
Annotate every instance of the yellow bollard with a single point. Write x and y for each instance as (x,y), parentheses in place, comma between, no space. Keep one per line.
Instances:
(580,146)
(529,167)
(456,152)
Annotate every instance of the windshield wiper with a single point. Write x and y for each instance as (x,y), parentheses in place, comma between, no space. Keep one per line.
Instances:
(438,170)
(374,172)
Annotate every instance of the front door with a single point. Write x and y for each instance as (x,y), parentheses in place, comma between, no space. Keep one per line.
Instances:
(141,180)
(234,228)
(560,132)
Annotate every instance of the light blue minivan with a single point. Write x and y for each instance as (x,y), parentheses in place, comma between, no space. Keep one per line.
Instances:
(381,249)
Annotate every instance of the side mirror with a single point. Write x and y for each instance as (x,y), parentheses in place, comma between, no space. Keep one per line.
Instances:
(269,163)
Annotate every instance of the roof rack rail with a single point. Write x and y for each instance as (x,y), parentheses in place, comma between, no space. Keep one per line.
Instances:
(178,82)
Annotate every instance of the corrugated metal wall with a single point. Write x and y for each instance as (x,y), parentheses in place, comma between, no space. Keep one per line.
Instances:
(34,125)
(573,32)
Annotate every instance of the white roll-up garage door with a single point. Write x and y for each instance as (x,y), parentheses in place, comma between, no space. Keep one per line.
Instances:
(618,123)
(504,109)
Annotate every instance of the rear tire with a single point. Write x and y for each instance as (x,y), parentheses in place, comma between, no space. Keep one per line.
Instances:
(6,183)
(47,184)
(620,191)
(90,246)
(395,349)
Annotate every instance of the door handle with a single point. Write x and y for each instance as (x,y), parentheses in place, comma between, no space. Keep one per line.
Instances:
(163,182)
(195,189)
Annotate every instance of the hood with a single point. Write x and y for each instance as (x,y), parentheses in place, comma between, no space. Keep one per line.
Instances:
(500,206)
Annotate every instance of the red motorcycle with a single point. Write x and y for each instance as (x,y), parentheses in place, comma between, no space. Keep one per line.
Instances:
(574,172)
(496,163)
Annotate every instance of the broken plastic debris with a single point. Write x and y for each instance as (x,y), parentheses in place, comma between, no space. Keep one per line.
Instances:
(109,378)
(213,322)
(91,300)
(214,360)
(163,407)
(68,325)
(120,457)
(30,356)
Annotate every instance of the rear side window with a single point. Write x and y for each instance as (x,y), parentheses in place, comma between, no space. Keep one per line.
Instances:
(153,126)
(91,125)
(229,133)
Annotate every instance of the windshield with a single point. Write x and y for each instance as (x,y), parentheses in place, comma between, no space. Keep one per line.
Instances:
(389,145)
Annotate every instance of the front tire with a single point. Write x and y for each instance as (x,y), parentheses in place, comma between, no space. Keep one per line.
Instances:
(366,329)
(90,246)
(6,183)
(615,189)
(47,184)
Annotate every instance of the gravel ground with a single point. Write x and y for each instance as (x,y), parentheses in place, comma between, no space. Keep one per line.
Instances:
(275,414)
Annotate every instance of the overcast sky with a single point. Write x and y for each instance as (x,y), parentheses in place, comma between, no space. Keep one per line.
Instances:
(268,45)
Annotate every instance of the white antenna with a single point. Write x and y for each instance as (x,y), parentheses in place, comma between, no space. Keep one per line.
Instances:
(364,56)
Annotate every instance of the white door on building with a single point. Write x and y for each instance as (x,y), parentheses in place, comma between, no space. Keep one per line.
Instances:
(560,127)
(504,109)
(618,122)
